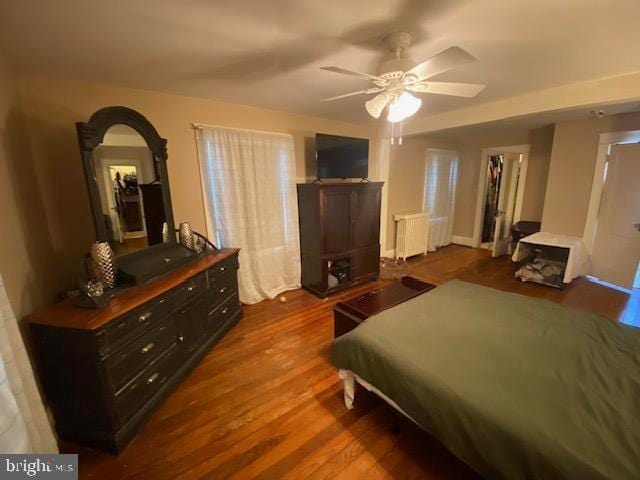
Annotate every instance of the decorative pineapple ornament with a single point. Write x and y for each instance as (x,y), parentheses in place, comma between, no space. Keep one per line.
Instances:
(103,264)
(186,235)
(165,232)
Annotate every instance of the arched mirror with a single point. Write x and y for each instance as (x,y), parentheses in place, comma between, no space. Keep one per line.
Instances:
(124,161)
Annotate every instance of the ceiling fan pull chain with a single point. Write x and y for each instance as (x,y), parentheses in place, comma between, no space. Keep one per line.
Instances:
(400,136)
(392,125)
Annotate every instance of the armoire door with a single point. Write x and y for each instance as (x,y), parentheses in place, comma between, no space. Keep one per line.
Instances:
(366,262)
(154,215)
(336,219)
(366,216)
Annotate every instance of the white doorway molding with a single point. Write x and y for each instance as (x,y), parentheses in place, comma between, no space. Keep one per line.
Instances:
(604,146)
(384,155)
(482,185)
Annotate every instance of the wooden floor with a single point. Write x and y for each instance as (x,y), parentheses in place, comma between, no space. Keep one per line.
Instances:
(266,402)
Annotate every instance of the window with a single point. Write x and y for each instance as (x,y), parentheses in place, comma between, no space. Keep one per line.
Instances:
(248,181)
(441,174)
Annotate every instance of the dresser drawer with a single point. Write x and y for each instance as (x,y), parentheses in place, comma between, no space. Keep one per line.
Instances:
(221,291)
(191,289)
(224,312)
(139,390)
(127,362)
(134,323)
(223,272)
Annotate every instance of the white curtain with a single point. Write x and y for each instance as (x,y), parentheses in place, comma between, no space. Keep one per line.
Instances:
(441,174)
(24,426)
(249,183)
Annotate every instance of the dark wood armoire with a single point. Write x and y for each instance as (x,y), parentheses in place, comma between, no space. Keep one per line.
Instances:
(339,234)
(154,214)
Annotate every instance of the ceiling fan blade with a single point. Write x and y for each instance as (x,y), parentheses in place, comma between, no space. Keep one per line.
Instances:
(448,88)
(351,73)
(359,92)
(449,59)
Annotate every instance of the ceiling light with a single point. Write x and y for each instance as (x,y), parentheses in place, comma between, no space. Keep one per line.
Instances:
(403,107)
(376,105)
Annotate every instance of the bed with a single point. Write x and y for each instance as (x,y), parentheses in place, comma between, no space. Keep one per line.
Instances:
(514,386)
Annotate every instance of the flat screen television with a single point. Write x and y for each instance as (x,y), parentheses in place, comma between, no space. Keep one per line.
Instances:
(342,157)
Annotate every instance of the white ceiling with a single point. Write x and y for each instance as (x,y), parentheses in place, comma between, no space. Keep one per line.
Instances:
(268,52)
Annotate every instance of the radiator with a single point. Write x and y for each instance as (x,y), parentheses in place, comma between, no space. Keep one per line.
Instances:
(412,234)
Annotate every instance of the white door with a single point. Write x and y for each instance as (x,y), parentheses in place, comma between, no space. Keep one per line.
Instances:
(506,204)
(616,246)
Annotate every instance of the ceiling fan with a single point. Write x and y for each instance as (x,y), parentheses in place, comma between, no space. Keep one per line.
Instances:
(400,76)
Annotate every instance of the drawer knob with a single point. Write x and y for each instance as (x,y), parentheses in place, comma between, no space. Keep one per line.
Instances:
(190,289)
(144,317)
(147,348)
(222,269)
(223,289)
(181,338)
(152,378)
(224,311)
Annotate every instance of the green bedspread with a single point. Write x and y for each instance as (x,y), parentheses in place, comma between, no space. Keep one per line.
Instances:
(514,386)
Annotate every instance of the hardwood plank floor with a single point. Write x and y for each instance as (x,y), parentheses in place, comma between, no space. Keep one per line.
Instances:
(267,403)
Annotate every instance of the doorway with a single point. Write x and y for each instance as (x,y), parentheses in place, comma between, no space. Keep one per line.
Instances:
(500,196)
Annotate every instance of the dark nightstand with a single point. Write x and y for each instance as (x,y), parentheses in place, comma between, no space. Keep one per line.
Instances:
(348,315)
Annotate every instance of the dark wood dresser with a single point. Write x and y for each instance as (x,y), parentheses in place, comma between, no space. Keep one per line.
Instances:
(104,371)
(339,234)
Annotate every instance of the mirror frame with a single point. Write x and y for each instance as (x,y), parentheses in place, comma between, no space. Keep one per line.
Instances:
(91,135)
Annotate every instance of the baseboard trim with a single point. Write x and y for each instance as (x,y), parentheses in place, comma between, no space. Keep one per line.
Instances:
(459,240)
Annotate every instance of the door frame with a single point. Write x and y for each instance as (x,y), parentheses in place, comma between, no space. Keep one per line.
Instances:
(501,246)
(382,159)
(605,142)
(482,185)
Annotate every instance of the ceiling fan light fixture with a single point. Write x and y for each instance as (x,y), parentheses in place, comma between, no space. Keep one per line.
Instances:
(403,107)
(376,105)
(399,76)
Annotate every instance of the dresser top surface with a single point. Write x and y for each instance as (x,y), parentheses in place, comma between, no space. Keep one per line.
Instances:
(66,315)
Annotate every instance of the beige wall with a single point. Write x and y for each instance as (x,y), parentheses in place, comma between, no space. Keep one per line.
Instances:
(470,150)
(27,259)
(406,177)
(46,206)
(470,147)
(406,173)
(573,158)
(540,144)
